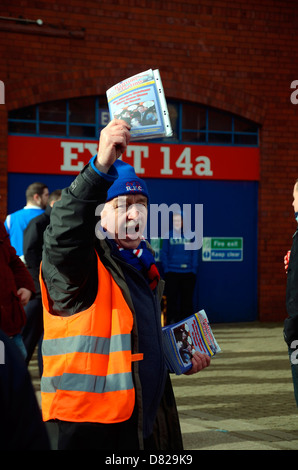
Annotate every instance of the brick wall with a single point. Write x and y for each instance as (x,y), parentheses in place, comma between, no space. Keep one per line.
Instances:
(238,56)
(3,161)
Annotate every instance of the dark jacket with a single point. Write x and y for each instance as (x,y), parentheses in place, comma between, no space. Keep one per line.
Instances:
(13,275)
(69,268)
(33,243)
(21,426)
(291,323)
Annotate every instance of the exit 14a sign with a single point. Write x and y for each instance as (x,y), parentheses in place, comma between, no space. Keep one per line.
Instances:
(222,249)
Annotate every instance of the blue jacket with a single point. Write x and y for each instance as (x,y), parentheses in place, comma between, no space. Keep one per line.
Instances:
(175,257)
(16,223)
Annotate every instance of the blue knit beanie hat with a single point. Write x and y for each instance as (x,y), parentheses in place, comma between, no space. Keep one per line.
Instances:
(127,182)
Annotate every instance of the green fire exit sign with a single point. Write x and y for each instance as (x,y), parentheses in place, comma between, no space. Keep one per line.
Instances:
(222,249)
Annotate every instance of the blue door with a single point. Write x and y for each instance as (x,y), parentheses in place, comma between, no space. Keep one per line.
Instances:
(226,288)
(18,183)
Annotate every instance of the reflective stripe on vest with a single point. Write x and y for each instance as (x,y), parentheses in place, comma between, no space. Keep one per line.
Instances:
(87,359)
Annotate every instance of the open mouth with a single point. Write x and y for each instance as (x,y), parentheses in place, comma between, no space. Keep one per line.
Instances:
(132,228)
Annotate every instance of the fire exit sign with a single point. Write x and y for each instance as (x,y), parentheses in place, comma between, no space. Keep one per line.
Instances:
(222,249)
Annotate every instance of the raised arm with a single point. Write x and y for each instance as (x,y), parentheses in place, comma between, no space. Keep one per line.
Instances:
(69,260)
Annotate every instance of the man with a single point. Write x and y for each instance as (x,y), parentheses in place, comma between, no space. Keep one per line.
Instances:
(16,289)
(291,323)
(105,381)
(37,195)
(180,268)
(146,116)
(32,248)
(21,425)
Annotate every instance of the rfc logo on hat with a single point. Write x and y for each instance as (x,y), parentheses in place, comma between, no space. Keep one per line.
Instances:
(134,186)
(126,182)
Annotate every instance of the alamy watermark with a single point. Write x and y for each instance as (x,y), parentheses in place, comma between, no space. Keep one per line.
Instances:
(294,354)
(2,92)
(159,221)
(294,94)
(2,353)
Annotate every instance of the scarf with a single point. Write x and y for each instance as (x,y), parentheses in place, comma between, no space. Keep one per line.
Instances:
(143,260)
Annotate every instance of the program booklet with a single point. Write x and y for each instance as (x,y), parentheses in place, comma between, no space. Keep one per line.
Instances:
(183,338)
(140,101)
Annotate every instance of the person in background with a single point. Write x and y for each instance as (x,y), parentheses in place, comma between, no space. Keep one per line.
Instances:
(291,322)
(21,425)
(180,268)
(32,248)
(105,381)
(37,195)
(17,287)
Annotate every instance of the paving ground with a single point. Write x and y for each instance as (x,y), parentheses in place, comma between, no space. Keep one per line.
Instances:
(244,400)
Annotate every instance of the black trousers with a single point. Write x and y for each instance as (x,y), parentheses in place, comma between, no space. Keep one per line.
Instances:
(179,290)
(96,436)
(33,330)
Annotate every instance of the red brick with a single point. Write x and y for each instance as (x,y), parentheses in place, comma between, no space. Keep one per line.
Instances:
(239,57)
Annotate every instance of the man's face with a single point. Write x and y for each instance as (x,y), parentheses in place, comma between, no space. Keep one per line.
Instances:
(177,222)
(42,200)
(295,198)
(125,218)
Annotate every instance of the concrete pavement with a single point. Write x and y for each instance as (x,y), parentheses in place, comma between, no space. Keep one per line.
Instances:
(244,400)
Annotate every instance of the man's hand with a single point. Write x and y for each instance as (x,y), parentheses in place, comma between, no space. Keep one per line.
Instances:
(24,295)
(113,141)
(199,362)
(286,261)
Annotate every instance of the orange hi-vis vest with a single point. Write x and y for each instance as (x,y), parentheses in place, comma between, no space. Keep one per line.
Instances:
(87,359)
